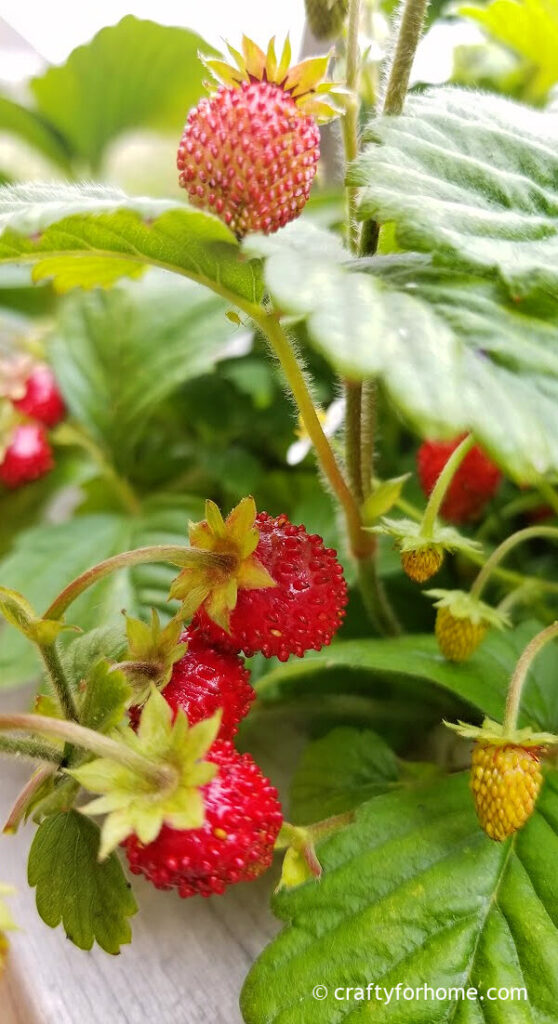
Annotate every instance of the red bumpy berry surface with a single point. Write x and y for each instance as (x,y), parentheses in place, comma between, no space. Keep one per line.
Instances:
(42,400)
(27,457)
(474,484)
(249,155)
(235,844)
(304,610)
(208,678)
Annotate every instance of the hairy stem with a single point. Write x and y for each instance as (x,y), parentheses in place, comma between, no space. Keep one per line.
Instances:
(530,533)
(33,749)
(53,664)
(375,599)
(520,674)
(353,412)
(350,117)
(442,485)
(25,797)
(367,436)
(89,740)
(359,541)
(410,30)
(173,554)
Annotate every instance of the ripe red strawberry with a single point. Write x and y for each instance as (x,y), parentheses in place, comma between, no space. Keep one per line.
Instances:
(474,484)
(302,611)
(208,678)
(27,457)
(42,400)
(235,844)
(249,152)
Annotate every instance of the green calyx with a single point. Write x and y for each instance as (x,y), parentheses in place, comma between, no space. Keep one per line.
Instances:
(497,735)
(136,803)
(463,606)
(19,613)
(408,536)
(152,652)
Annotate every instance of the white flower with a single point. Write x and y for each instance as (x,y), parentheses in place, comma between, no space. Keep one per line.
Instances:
(331,420)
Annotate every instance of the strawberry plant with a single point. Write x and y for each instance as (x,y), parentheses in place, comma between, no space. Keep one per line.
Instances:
(171,446)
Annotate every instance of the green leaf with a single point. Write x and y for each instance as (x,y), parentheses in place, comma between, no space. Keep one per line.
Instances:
(90,235)
(34,129)
(83,653)
(339,772)
(482,681)
(383,498)
(117,355)
(530,28)
(47,557)
(106,696)
(454,352)
(91,900)
(473,180)
(96,95)
(414,893)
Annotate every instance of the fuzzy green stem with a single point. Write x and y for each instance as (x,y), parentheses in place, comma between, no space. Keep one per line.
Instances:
(520,674)
(87,739)
(173,554)
(367,437)
(36,750)
(530,533)
(359,541)
(53,664)
(410,30)
(442,485)
(350,117)
(375,599)
(353,412)
(25,797)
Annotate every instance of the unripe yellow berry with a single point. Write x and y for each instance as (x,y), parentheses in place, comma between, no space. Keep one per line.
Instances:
(422,563)
(506,781)
(458,638)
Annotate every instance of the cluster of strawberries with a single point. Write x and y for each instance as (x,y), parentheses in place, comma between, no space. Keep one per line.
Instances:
(30,404)
(290,596)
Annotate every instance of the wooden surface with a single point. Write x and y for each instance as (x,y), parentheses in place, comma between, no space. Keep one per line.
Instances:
(186,964)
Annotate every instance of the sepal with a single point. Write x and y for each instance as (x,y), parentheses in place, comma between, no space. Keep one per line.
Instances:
(18,612)
(463,605)
(494,733)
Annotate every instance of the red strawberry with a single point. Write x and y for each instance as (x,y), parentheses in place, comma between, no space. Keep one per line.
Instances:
(42,399)
(235,844)
(208,678)
(474,484)
(302,611)
(249,152)
(27,457)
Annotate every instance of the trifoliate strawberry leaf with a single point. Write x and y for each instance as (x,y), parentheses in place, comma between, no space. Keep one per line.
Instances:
(339,772)
(414,894)
(453,351)
(413,662)
(140,803)
(471,178)
(105,698)
(91,235)
(90,899)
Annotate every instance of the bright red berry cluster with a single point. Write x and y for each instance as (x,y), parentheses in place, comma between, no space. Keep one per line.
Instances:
(474,484)
(242,813)
(27,454)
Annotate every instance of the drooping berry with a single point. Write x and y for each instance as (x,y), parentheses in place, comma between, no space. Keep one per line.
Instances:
(42,400)
(208,678)
(298,606)
(421,563)
(506,781)
(27,457)
(474,484)
(458,638)
(249,152)
(235,844)
(326,17)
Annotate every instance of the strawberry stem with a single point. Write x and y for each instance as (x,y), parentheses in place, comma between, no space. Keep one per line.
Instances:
(442,486)
(53,664)
(504,548)
(174,555)
(162,775)
(408,37)
(520,674)
(24,799)
(350,116)
(29,748)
